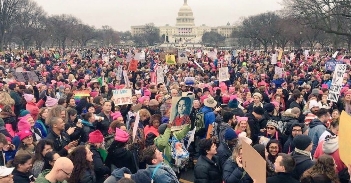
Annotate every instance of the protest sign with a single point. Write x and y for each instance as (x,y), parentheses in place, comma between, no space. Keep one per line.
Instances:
(133,65)
(223,74)
(122,96)
(278,71)
(344,138)
(170,60)
(26,76)
(160,78)
(79,94)
(119,73)
(182,57)
(126,79)
(274,58)
(180,110)
(335,87)
(136,125)
(280,55)
(253,163)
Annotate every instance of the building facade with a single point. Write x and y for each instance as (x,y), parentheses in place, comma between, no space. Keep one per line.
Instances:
(185,30)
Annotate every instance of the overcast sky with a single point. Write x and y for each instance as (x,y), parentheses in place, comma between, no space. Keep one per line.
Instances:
(121,14)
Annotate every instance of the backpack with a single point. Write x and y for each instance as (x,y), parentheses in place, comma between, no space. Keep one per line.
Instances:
(200,124)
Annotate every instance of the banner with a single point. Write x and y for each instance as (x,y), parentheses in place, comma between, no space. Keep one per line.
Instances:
(122,97)
(336,85)
(79,94)
(223,74)
(182,57)
(170,60)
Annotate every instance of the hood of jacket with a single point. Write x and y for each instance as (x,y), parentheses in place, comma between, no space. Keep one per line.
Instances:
(299,158)
(330,145)
(315,122)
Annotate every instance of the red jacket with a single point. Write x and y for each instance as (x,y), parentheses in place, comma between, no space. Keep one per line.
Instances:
(152,129)
(33,108)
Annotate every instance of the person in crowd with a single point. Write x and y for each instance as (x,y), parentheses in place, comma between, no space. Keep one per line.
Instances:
(207,169)
(10,120)
(83,171)
(73,128)
(302,155)
(6,174)
(332,130)
(233,170)
(87,126)
(14,93)
(273,131)
(317,127)
(225,149)
(296,129)
(60,138)
(261,149)
(322,171)
(104,124)
(22,164)
(41,121)
(3,143)
(209,115)
(27,145)
(44,146)
(60,172)
(227,122)
(254,119)
(32,106)
(156,171)
(50,159)
(283,166)
(95,142)
(155,121)
(118,155)
(273,148)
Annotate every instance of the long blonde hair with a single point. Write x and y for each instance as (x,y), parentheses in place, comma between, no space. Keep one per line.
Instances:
(5,99)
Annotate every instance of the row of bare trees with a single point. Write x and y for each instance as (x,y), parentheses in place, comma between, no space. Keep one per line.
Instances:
(302,23)
(26,24)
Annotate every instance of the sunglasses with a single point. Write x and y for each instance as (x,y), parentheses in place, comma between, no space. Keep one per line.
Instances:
(270,128)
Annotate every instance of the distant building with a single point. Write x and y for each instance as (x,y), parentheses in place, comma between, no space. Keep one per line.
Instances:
(185,29)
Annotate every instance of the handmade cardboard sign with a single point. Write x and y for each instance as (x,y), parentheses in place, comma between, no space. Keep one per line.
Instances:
(253,163)
(122,97)
(344,138)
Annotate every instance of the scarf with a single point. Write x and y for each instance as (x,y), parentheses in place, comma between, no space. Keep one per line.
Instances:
(306,153)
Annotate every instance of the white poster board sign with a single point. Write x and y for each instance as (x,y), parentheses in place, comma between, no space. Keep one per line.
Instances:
(160,77)
(122,96)
(274,58)
(336,85)
(278,71)
(223,74)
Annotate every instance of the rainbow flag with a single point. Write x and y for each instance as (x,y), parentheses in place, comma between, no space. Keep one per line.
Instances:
(79,94)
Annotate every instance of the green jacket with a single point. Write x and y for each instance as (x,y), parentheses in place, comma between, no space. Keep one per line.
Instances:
(41,178)
(163,144)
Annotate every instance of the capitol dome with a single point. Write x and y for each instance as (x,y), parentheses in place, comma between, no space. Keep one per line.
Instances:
(185,16)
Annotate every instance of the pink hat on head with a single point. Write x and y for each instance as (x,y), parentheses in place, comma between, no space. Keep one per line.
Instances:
(121,136)
(203,98)
(24,134)
(94,94)
(28,97)
(116,115)
(232,97)
(50,102)
(225,99)
(325,86)
(23,123)
(147,93)
(239,119)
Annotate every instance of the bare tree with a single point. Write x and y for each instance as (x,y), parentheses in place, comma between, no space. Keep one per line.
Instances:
(83,33)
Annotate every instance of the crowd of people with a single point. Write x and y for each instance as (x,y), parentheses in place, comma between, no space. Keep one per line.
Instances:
(50,135)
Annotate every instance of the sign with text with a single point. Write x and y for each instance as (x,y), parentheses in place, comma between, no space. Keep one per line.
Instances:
(122,97)
(336,85)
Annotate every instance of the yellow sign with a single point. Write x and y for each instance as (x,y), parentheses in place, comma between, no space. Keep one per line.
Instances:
(344,138)
(170,60)
(280,54)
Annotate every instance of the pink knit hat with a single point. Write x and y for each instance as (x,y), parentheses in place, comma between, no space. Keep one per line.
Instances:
(28,97)
(23,123)
(116,115)
(239,119)
(24,134)
(50,102)
(121,136)
(147,93)
(96,137)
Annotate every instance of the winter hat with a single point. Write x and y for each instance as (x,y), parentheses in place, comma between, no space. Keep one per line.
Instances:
(12,86)
(258,110)
(23,124)
(230,134)
(94,94)
(121,136)
(23,113)
(116,115)
(28,97)
(162,128)
(233,103)
(272,123)
(225,99)
(240,119)
(258,95)
(330,144)
(269,107)
(2,123)
(147,93)
(315,91)
(302,142)
(313,103)
(96,137)
(50,102)
(24,134)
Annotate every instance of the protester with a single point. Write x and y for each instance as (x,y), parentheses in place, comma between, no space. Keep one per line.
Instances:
(283,166)
(61,171)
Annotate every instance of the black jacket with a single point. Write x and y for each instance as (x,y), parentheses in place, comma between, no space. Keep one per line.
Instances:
(303,163)
(88,177)
(254,127)
(19,177)
(207,171)
(101,170)
(59,142)
(282,177)
(121,157)
(104,124)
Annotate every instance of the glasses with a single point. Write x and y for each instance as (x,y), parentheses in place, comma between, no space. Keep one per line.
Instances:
(270,128)
(297,130)
(68,174)
(273,147)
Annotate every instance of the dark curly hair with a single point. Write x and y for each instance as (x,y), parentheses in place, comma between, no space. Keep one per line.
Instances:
(270,156)
(81,164)
(325,165)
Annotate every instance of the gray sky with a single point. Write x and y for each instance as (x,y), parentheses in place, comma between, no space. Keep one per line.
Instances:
(121,14)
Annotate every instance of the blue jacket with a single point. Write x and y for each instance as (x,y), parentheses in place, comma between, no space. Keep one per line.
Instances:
(316,128)
(41,126)
(234,174)
(210,116)
(223,153)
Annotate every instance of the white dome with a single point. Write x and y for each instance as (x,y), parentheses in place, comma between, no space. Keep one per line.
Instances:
(185,16)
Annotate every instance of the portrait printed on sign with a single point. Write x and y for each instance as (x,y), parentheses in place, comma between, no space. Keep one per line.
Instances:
(180,111)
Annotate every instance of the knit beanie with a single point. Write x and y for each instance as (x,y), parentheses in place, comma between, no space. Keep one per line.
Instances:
(24,134)
(96,137)
(301,142)
(50,102)
(233,104)
(258,110)
(12,86)
(121,136)
(28,97)
(23,113)
(269,107)
(273,123)
(230,134)
(23,124)
(162,128)
(260,149)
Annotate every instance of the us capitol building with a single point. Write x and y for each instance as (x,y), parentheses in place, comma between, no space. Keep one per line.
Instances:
(185,30)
